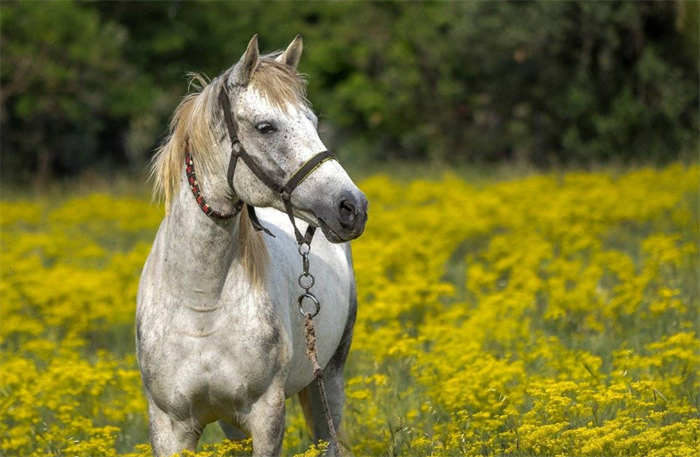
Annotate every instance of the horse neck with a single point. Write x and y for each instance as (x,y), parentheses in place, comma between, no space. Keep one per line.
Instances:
(199,250)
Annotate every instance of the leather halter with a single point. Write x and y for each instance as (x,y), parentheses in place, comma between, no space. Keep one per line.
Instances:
(237,151)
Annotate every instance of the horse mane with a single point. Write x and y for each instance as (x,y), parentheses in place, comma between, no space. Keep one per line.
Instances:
(196,119)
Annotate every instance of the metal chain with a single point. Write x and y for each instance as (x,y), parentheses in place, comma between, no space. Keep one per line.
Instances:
(306,281)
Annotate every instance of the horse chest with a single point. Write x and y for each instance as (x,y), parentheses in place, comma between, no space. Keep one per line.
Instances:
(215,361)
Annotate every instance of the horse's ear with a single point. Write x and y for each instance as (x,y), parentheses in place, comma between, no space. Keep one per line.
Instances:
(248,63)
(292,54)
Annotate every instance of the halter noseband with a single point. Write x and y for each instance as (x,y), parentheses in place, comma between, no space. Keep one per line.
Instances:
(237,151)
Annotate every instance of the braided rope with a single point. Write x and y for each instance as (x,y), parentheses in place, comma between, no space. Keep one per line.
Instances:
(310,332)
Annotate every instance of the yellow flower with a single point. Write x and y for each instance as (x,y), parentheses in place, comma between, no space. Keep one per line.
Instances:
(551,315)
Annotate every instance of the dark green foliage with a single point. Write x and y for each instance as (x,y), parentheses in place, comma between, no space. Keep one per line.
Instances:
(66,88)
(91,85)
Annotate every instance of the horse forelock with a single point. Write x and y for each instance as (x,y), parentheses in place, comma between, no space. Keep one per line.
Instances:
(281,85)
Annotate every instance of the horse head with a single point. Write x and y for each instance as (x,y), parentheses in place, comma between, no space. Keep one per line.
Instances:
(276,129)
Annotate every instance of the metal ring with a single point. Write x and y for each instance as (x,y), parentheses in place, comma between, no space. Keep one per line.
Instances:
(304,251)
(313,298)
(306,275)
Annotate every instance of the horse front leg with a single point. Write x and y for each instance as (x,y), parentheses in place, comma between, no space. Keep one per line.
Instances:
(266,422)
(169,435)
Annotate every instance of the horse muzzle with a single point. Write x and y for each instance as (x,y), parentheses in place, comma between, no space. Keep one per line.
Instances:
(346,220)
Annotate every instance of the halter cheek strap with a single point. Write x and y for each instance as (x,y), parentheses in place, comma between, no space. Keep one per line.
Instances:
(237,151)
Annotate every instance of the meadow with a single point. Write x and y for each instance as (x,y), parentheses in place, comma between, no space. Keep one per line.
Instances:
(548,315)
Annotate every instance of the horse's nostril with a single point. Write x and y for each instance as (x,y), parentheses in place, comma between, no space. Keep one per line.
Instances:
(348,211)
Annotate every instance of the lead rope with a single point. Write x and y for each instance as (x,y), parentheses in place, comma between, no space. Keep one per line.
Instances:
(306,281)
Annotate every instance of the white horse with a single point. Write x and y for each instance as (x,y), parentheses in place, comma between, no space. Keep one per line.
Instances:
(219,333)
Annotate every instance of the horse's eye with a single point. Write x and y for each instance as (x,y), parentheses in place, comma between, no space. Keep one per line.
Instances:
(265,127)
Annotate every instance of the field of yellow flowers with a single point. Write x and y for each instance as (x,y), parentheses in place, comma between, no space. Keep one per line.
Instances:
(553,315)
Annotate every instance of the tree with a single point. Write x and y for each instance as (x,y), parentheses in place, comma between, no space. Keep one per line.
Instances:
(88,85)
(64,81)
